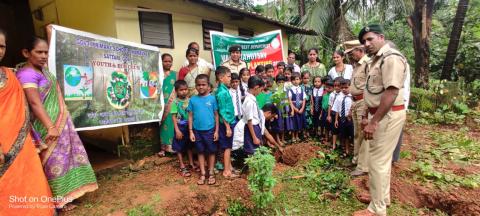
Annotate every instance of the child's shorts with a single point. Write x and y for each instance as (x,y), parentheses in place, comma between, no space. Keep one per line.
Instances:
(248,146)
(224,141)
(323,119)
(346,129)
(181,145)
(332,124)
(204,141)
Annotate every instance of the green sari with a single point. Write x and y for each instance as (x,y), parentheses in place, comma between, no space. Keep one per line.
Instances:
(166,127)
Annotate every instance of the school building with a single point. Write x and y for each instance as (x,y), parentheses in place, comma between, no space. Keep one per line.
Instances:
(168,24)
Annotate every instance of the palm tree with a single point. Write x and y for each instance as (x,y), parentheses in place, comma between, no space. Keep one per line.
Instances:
(421,24)
(462,8)
(329,19)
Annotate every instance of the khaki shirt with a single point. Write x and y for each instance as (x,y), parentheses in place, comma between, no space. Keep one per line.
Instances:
(359,76)
(234,67)
(391,73)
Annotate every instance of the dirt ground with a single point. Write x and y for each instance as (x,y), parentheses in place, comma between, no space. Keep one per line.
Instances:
(454,201)
(156,184)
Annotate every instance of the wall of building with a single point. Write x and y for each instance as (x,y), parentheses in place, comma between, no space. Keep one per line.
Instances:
(86,15)
(187,24)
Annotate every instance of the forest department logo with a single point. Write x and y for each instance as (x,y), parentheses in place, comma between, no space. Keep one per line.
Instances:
(119,90)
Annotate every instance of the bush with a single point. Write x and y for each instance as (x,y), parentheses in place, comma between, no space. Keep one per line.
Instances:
(422,100)
(260,179)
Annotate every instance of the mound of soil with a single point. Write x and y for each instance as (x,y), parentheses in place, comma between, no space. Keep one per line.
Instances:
(458,201)
(209,200)
(297,152)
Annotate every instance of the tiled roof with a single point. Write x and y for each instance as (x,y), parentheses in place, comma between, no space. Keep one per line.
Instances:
(243,11)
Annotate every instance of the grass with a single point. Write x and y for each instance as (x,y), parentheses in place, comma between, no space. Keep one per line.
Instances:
(452,147)
(318,187)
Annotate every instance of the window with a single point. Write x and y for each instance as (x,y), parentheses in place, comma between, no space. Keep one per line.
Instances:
(207,26)
(245,32)
(156,29)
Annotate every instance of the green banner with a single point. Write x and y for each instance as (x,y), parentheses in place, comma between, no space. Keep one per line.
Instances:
(106,82)
(263,49)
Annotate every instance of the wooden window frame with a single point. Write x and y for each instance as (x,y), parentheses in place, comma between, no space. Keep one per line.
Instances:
(204,23)
(240,30)
(170,21)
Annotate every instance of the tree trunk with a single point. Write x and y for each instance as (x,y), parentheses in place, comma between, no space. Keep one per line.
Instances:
(301,14)
(462,8)
(301,8)
(421,24)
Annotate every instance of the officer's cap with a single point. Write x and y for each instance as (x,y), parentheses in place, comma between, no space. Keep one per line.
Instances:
(349,46)
(234,48)
(370,28)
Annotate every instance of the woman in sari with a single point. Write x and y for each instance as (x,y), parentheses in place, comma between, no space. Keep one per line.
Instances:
(65,161)
(166,123)
(192,70)
(21,173)
(314,67)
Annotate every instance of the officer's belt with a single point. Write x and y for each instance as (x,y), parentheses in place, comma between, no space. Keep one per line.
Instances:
(357,97)
(394,108)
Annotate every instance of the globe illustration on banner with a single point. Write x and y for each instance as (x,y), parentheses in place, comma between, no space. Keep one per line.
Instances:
(73,76)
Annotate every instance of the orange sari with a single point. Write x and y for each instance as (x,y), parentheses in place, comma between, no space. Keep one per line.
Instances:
(24,189)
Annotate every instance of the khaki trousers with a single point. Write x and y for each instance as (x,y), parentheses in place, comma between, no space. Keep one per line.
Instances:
(381,150)
(360,145)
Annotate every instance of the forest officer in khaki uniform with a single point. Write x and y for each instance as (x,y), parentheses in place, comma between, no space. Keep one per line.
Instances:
(235,64)
(383,96)
(357,86)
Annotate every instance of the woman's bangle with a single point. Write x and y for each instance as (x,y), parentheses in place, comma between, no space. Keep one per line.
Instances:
(51,127)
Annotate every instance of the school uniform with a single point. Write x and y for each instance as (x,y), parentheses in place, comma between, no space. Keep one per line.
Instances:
(243,90)
(251,112)
(179,108)
(323,118)
(236,95)
(333,97)
(342,106)
(226,113)
(317,94)
(297,96)
(203,109)
(308,116)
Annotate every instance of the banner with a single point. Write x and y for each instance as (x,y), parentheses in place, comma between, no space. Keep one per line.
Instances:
(263,49)
(106,82)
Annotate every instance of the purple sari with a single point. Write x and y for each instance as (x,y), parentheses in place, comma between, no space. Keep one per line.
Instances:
(65,162)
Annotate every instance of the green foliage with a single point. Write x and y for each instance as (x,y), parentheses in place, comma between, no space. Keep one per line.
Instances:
(143,210)
(236,208)
(422,100)
(452,147)
(279,98)
(427,172)
(325,180)
(260,179)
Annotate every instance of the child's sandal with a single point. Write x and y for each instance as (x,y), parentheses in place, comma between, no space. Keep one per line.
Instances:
(202,180)
(184,172)
(211,180)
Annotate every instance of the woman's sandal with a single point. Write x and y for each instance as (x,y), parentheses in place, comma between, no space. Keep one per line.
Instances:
(211,180)
(202,180)
(184,172)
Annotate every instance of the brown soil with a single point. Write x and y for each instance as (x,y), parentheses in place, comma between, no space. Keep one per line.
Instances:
(295,153)
(454,201)
(157,183)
